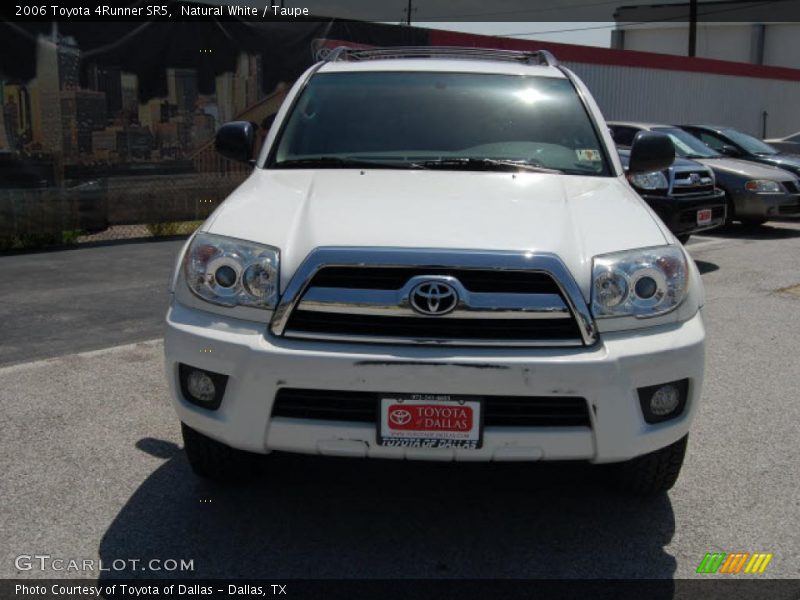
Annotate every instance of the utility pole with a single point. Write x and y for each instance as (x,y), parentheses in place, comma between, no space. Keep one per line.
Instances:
(692,27)
(408,14)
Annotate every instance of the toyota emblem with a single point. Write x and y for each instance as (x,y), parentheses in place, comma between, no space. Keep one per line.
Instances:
(400,417)
(433,298)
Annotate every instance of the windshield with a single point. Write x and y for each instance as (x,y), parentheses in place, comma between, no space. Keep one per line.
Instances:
(463,121)
(686,145)
(749,143)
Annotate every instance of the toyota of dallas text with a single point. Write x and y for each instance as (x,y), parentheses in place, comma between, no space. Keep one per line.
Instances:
(437,256)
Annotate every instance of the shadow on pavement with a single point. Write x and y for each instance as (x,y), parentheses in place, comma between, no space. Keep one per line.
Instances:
(706,267)
(761,232)
(340,518)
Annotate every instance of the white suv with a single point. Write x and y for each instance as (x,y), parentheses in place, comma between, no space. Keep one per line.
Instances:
(437,256)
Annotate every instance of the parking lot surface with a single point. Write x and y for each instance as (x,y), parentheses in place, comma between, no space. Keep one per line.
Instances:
(92,465)
(55,303)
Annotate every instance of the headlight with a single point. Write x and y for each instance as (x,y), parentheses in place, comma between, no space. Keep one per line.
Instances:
(649,181)
(763,185)
(231,272)
(640,283)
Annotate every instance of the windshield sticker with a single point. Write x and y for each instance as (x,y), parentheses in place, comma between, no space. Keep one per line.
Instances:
(588,154)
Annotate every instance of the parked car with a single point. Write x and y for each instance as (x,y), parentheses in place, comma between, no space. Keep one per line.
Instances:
(788,145)
(754,193)
(736,144)
(437,256)
(683,196)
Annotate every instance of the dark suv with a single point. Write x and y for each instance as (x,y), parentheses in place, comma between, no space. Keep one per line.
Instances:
(683,196)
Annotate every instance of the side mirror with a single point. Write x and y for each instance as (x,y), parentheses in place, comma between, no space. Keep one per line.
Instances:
(236,140)
(650,151)
(729,150)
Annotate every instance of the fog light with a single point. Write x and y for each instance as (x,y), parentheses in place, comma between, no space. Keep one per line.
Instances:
(663,401)
(201,387)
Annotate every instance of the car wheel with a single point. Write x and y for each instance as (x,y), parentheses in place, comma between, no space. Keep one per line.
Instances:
(652,473)
(683,238)
(214,460)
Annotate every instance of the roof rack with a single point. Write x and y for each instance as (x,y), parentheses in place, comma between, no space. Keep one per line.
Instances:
(536,57)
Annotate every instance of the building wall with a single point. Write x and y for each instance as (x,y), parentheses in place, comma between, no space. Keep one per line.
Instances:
(724,41)
(631,93)
(782,45)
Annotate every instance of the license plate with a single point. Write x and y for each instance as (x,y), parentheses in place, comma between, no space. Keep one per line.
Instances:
(430,421)
(704,216)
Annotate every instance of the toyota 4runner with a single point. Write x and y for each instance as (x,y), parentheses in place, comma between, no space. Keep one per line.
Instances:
(438,256)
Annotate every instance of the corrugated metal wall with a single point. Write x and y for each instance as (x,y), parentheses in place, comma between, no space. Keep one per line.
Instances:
(662,96)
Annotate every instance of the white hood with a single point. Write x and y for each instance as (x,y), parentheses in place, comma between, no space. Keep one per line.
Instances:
(574,217)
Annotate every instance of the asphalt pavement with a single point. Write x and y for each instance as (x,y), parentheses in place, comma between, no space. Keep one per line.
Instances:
(92,464)
(67,301)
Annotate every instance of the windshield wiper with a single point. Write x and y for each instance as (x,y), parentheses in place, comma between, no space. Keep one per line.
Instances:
(483,164)
(337,162)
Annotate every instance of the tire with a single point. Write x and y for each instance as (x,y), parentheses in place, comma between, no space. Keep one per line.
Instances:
(684,238)
(214,460)
(652,473)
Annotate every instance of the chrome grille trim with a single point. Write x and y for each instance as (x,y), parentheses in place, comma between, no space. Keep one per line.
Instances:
(396,303)
(490,260)
(681,180)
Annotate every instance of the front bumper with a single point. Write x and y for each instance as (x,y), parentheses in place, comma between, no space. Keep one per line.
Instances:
(606,375)
(766,206)
(679,213)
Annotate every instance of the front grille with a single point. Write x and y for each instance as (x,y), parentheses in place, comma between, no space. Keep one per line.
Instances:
(498,411)
(418,296)
(793,187)
(393,278)
(432,327)
(690,216)
(692,182)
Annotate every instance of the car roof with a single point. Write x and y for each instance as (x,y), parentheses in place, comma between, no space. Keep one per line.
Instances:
(638,124)
(706,126)
(439,65)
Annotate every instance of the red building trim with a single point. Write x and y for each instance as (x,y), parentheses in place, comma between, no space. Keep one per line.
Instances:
(611,56)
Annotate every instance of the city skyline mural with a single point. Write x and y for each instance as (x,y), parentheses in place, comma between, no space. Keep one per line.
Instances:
(112,125)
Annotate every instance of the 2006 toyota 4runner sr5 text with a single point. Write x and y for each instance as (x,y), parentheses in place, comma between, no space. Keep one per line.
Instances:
(438,256)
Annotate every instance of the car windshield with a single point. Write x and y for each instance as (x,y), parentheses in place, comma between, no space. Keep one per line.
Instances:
(432,120)
(686,145)
(751,144)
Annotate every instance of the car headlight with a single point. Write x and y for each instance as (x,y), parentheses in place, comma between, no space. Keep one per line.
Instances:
(763,185)
(649,181)
(639,283)
(231,272)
